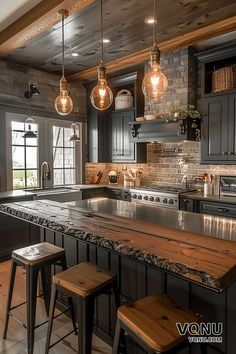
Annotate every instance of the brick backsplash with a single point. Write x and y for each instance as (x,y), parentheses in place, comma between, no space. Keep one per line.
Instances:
(166,164)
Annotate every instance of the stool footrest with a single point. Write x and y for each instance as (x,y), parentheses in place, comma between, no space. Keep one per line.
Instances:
(59,340)
(22,303)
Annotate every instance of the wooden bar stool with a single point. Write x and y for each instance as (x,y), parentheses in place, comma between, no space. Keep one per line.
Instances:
(85,282)
(151,321)
(35,258)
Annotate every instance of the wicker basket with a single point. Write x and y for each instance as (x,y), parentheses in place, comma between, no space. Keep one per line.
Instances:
(224,79)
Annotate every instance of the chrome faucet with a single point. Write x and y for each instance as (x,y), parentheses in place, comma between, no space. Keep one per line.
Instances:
(44,175)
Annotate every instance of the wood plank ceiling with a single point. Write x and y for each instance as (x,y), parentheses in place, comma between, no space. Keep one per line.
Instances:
(124,26)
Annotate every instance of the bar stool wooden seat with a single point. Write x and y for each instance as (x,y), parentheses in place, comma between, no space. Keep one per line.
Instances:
(85,282)
(36,258)
(151,321)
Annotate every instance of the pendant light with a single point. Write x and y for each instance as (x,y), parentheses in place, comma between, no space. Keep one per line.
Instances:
(29,134)
(63,103)
(155,82)
(101,96)
(75,131)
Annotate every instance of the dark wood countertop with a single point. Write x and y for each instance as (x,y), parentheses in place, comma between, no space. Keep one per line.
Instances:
(205,260)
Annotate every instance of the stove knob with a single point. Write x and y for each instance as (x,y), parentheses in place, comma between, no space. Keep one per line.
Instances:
(139,196)
(171,201)
(157,199)
(145,197)
(164,200)
(134,196)
(151,199)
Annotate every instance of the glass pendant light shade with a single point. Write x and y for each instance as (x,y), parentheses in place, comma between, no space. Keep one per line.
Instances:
(63,103)
(101,96)
(155,82)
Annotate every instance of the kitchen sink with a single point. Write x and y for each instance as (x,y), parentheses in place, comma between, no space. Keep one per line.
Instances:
(60,194)
(49,190)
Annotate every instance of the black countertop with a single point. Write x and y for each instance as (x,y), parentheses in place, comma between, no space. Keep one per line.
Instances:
(219,227)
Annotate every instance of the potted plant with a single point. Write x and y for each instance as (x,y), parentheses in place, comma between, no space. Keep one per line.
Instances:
(195,115)
(191,112)
(176,112)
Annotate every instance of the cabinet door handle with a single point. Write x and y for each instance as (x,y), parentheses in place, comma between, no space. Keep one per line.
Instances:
(225,153)
(223,210)
(121,154)
(231,153)
(118,154)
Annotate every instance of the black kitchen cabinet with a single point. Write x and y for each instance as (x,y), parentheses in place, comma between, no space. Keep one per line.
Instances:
(98,136)
(118,194)
(218,129)
(93,193)
(220,209)
(188,204)
(122,149)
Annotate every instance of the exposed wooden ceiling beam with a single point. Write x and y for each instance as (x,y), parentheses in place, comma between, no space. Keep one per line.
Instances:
(38,20)
(210,31)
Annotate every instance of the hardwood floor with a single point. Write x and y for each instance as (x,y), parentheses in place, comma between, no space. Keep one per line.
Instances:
(16,338)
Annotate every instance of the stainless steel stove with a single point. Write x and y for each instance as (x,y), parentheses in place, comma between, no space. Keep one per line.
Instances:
(165,196)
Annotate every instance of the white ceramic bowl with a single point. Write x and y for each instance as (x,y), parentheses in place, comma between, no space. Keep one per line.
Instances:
(139,119)
(150,117)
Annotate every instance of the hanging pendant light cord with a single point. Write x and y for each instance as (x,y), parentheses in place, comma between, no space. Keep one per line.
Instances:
(154,23)
(29,99)
(101,8)
(63,47)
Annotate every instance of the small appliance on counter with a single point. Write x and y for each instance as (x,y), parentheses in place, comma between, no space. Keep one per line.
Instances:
(228,186)
(123,100)
(113,178)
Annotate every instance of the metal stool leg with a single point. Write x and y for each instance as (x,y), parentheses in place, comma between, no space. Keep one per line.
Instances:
(46,284)
(31,296)
(54,296)
(116,295)
(116,343)
(85,323)
(9,297)
(72,312)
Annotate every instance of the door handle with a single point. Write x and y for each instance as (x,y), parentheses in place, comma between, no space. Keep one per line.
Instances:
(225,153)
(223,210)
(231,153)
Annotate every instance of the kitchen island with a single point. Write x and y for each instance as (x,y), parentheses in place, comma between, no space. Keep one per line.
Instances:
(149,256)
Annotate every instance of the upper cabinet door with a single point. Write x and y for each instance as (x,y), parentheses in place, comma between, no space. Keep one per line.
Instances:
(116,136)
(215,127)
(232,128)
(127,152)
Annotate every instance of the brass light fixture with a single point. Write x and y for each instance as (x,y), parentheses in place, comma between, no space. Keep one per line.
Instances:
(101,96)
(155,82)
(63,103)
(29,133)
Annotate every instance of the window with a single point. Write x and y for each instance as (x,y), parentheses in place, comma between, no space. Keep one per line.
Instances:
(25,162)
(64,167)
(25,156)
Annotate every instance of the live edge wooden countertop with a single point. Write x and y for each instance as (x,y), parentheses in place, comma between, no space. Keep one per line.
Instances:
(205,260)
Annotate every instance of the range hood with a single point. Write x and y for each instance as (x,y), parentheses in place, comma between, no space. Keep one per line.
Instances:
(161,131)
